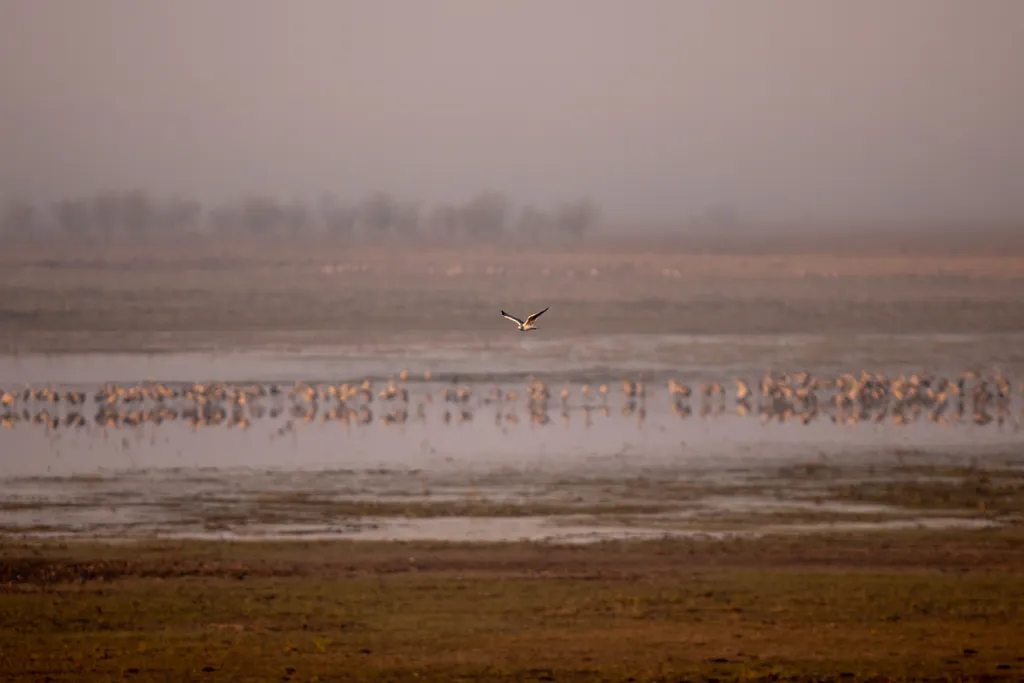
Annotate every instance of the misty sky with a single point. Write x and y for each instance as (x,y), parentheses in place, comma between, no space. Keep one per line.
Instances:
(896,109)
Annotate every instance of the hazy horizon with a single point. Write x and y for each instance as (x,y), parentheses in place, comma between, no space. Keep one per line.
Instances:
(783,110)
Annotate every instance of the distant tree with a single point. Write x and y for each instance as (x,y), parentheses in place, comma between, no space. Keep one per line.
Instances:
(74,217)
(104,211)
(484,215)
(123,213)
(262,216)
(378,212)
(19,218)
(443,221)
(721,217)
(295,218)
(407,218)
(534,223)
(136,212)
(177,216)
(576,218)
(338,220)
(226,220)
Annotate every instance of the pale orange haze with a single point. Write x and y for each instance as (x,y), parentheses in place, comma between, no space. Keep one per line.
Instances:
(852,109)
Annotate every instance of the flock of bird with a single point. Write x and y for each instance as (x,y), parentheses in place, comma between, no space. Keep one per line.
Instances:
(800,397)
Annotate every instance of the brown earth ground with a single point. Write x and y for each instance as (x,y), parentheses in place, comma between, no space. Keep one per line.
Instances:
(144,297)
(894,606)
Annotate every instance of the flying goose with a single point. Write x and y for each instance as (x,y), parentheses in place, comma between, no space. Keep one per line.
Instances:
(528,324)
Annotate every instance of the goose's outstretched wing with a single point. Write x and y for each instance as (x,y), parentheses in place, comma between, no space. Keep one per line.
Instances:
(514,319)
(536,315)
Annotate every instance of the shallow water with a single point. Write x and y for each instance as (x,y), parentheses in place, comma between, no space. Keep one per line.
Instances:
(582,466)
(583,358)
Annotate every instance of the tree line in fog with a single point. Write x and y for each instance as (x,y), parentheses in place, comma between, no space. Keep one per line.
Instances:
(487,216)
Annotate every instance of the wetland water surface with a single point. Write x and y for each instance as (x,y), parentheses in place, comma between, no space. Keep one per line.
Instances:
(456,459)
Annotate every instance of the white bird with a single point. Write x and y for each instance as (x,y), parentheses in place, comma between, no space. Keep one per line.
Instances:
(527,325)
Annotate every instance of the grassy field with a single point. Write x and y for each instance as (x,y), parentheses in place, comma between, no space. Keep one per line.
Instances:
(906,606)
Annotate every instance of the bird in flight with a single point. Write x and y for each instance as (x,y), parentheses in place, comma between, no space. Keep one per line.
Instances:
(527,325)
